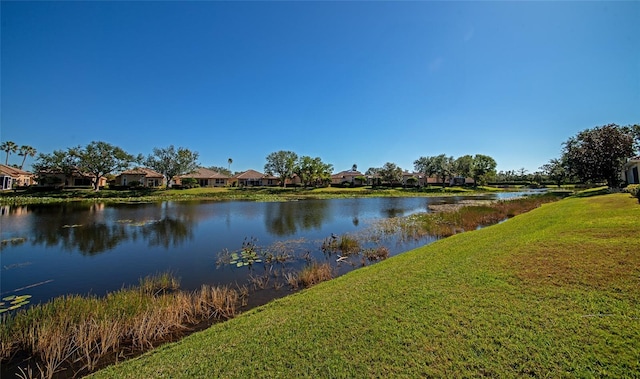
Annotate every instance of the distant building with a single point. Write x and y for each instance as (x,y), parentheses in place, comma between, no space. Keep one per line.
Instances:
(207,178)
(352,177)
(145,177)
(11,177)
(253,178)
(630,171)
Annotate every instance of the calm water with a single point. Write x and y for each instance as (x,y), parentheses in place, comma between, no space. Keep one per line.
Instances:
(51,250)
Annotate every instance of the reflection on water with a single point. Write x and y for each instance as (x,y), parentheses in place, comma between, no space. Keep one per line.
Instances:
(287,218)
(94,248)
(92,229)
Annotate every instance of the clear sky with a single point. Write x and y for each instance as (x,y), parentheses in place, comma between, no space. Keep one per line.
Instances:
(350,82)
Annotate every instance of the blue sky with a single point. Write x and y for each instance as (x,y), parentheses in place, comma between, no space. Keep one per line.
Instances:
(351,82)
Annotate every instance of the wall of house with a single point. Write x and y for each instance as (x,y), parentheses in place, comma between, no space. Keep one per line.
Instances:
(632,173)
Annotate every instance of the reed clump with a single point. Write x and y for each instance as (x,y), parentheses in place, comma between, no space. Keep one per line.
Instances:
(376,254)
(79,333)
(315,273)
(445,224)
(345,244)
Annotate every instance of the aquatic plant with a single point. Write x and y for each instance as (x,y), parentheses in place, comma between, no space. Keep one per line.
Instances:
(345,244)
(247,255)
(13,302)
(12,241)
(376,254)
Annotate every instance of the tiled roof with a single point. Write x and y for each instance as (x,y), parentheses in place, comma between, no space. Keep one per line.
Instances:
(342,174)
(147,172)
(250,174)
(9,170)
(205,173)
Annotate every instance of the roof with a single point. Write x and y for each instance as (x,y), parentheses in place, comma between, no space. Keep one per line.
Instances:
(205,173)
(347,173)
(250,174)
(631,162)
(12,171)
(147,172)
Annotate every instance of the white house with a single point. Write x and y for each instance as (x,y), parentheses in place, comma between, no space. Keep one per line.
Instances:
(630,171)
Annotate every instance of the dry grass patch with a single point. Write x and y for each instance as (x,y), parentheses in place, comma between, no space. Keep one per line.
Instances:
(79,333)
(315,273)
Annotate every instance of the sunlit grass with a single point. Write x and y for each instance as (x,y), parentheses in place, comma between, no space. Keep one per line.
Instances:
(550,293)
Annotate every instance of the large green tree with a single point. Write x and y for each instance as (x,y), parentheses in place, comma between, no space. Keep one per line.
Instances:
(443,167)
(100,159)
(598,154)
(390,173)
(484,167)
(313,171)
(556,170)
(171,162)
(8,147)
(426,166)
(463,166)
(58,162)
(26,151)
(281,164)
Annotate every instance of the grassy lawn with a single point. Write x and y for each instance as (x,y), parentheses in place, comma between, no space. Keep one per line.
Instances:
(550,293)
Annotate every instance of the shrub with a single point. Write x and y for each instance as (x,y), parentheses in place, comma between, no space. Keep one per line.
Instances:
(633,189)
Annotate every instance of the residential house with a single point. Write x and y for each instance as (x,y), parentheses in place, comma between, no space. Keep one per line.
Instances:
(253,178)
(413,179)
(630,171)
(11,177)
(74,179)
(352,177)
(145,177)
(207,178)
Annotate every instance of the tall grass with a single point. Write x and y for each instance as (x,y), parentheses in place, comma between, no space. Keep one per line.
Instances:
(445,224)
(81,332)
(315,273)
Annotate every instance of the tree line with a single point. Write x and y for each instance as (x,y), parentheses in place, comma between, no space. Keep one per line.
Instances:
(595,155)
(592,155)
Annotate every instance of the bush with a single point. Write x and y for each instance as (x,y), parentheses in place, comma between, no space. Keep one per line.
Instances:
(633,189)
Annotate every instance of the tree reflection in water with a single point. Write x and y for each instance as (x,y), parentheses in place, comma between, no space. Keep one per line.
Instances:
(87,230)
(287,218)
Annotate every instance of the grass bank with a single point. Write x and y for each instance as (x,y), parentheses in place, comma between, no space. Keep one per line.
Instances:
(228,193)
(550,293)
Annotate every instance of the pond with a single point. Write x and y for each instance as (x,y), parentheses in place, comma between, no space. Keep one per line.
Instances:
(80,248)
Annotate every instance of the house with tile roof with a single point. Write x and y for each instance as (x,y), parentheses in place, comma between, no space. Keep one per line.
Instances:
(352,177)
(11,177)
(145,177)
(630,171)
(75,178)
(253,178)
(207,178)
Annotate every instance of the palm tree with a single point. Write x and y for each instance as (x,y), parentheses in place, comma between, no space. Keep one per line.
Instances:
(8,147)
(229,161)
(24,151)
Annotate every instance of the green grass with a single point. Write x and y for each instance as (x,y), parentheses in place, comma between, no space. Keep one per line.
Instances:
(227,193)
(550,293)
